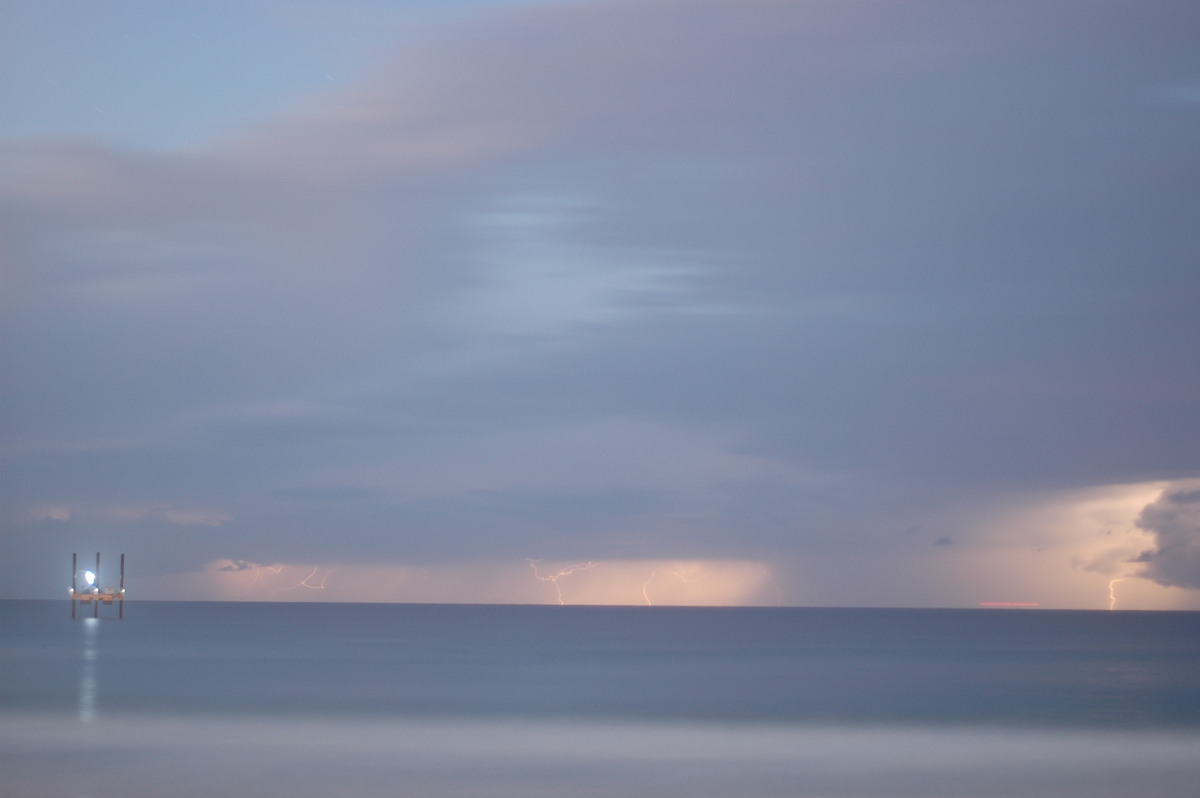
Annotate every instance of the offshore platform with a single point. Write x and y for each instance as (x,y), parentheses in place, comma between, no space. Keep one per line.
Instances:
(92,593)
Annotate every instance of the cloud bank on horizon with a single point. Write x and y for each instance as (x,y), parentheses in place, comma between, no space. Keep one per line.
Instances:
(823,302)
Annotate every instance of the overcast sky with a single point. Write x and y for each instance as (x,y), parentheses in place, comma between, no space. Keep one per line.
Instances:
(812,303)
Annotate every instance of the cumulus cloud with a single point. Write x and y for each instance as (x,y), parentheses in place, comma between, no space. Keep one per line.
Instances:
(1174,520)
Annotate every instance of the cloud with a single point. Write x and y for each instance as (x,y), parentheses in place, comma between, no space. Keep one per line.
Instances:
(597,454)
(1174,521)
(234,566)
(196,517)
(719,281)
(54,512)
(128,515)
(598,582)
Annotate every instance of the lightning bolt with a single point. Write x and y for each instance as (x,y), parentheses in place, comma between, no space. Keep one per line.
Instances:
(656,572)
(553,578)
(771,581)
(305,582)
(1112,592)
(258,573)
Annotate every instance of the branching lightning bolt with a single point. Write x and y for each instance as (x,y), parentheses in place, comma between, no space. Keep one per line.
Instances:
(307,583)
(258,575)
(654,573)
(553,578)
(255,569)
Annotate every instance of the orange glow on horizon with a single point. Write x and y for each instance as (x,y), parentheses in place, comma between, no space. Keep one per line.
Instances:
(600,582)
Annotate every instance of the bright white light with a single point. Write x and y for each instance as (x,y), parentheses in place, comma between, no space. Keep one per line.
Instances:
(89,577)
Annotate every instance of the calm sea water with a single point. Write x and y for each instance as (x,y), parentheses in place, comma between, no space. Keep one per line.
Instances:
(196,699)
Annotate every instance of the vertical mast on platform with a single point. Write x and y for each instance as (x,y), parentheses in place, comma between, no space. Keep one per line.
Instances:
(93,592)
(96,589)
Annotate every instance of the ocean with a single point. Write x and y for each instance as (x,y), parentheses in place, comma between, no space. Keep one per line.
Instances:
(285,699)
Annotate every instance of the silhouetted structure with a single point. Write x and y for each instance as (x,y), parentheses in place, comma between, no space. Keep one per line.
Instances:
(93,593)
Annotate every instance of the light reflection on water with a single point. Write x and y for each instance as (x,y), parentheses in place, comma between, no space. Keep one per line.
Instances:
(88,686)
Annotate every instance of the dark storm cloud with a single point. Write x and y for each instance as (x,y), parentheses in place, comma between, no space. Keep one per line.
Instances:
(625,279)
(1174,520)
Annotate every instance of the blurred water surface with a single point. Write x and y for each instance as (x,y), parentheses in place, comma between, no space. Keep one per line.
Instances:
(308,699)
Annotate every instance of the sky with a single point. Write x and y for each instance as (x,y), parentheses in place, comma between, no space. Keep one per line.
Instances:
(813,303)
